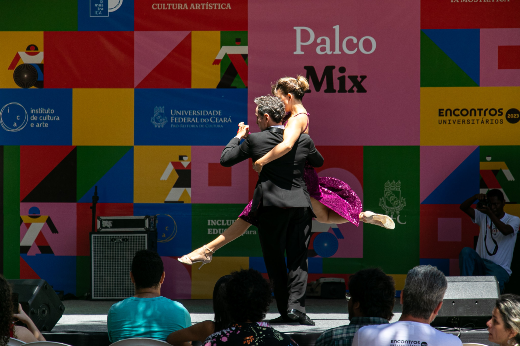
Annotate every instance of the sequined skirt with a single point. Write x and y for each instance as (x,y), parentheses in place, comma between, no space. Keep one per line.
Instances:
(331,192)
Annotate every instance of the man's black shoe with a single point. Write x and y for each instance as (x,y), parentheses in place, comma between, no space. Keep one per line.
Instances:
(281,320)
(300,317)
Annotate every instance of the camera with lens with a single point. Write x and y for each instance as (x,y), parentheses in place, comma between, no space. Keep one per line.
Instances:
(483,203)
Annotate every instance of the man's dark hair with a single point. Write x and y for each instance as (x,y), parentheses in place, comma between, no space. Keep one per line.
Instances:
(248,296)
(271,105)
(147,269)
(375,292)
(424,289)
(496,193)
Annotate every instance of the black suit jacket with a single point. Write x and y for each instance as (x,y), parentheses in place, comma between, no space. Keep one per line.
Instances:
(280,183)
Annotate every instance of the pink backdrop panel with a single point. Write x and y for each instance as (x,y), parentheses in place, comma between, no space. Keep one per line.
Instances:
(490,40)
(177,281)
(437,163)
(388,113)
(352,244)
(201,192)
(63,215)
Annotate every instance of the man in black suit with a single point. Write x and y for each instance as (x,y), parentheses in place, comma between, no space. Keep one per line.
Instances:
(281,203)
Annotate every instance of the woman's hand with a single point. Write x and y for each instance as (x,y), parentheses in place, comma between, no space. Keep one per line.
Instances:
(258,165)
(243,130)
(21,315)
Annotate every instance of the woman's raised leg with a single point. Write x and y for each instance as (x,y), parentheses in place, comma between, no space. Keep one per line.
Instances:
(205,253)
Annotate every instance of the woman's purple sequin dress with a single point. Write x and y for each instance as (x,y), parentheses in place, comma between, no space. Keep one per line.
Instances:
(331,192)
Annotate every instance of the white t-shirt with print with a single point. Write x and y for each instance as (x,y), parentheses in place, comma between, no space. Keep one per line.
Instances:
(506,243)
(403,333)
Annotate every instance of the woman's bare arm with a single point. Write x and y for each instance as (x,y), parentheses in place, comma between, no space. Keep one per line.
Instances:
(292,132)
(197,332)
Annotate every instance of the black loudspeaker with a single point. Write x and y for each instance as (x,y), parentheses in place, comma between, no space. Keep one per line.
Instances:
(468,300)
(39,301)
(111,255)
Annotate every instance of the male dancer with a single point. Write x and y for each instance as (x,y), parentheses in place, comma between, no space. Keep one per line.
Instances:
(281,203)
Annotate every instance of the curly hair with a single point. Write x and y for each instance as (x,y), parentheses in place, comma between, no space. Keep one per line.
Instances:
(375,292)
(147,269)
(271,105)
(288,85)
(6,311)
(248,296)
(509,307)
(222,318)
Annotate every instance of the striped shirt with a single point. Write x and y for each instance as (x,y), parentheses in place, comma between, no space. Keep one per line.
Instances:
(342,336)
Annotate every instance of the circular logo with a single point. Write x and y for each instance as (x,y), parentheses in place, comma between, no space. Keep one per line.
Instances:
(13,117)
(513,115)
(424,343)
(166,228)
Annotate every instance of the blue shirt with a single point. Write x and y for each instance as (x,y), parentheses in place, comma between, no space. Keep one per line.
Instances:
(153,318)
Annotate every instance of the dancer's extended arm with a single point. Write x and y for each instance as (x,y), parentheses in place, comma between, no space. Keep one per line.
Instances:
(294,128)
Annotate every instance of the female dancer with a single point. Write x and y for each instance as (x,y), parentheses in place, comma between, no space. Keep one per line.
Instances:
(333,201)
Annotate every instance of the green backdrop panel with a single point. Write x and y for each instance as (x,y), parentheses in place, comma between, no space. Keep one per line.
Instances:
(82,275)
(229,38)
(30,15)
(503,162)
(210,220)
(391,186)
(11,195)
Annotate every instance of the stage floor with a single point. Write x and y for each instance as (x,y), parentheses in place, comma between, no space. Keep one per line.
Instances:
(91,316)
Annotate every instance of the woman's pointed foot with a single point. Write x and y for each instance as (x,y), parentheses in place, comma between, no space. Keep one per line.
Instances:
(202,254)
(377,219)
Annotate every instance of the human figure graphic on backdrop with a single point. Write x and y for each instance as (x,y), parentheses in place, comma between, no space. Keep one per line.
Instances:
(281,205)
(333,201)
(35,222)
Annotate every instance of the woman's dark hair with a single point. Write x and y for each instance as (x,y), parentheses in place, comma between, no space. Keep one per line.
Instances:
(147,269)
(6,311)
(248,296)
(289,85)
(222,317)
(375,292)
(509,307)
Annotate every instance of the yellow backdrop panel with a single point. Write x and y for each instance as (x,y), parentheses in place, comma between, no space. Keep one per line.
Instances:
(205,46)
(12,42)
(153,176)
(399,281)
(469,116)
(203,281)
(103,117)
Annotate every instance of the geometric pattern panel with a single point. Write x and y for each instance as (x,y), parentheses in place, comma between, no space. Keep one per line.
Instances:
(108,168)
(57,15)
(450,58)
(98,15)
(491,43)
(500,169)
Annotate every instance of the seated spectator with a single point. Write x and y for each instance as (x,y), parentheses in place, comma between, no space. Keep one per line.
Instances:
(421,298)
(504,325)
(7,327)
(200,331)
(372,297)
(248,296)
(146,314)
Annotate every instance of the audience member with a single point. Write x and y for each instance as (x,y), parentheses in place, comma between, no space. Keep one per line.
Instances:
(372,297)
(7,327)
(248,296)
(421,299)
(200,331)
(496,240)
(504,325)
(146,314)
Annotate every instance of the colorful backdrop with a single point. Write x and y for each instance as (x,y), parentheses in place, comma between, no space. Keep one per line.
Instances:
(415,104)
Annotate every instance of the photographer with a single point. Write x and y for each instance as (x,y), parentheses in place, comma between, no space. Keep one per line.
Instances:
(496,240)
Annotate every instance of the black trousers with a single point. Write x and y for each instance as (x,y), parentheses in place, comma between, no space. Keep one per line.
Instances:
(286,230)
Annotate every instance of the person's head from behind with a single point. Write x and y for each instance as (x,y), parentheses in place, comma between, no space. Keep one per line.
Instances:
(6,310)
(147,270)
(423,292)
(222,317)
(504,325)
(269,111)
(372,294)
(248,296)
(496,201)
(290,90)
